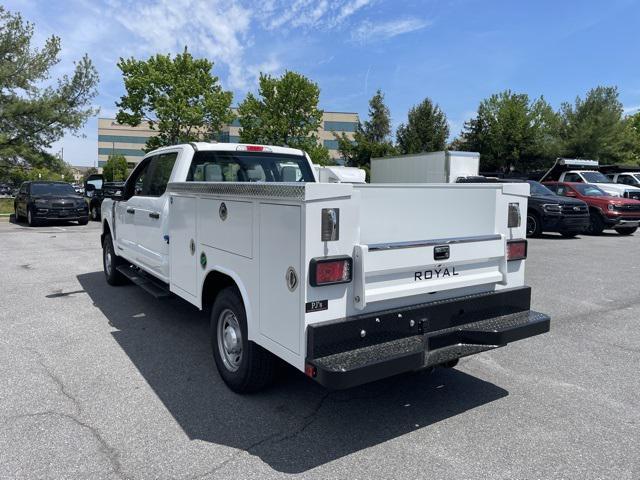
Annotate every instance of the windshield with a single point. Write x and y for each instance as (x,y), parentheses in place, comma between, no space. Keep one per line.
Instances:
(595,177)
(224,166)
(590,190)
(538,189)
(52,189)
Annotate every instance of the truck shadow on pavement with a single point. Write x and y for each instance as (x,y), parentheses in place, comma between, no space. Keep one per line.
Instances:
(295,425)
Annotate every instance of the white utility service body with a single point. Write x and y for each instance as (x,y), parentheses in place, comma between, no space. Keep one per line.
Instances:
(428,282)
(428,167)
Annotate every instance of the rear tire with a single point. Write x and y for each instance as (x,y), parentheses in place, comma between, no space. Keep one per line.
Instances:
(626,230)
(84,221)
(243,365)
(568,234)
(534,225)
(110,262)
(596,226)
(95,215)
(16,215)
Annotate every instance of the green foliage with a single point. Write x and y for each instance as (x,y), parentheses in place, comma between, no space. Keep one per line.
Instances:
(285,112)
(594,127)
(115,170)
(89,171)
(632,139)
(426,130)
(370,140)
(512,132)
(179,97)
(33,116)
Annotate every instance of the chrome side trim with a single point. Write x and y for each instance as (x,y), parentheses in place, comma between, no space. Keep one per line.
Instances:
(432,243)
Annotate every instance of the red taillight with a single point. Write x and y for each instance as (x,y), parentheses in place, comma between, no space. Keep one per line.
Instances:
(516,249)
(310,371)
(254,148)
(329,271)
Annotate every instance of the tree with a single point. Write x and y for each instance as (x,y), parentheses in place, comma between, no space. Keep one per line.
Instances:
(632,137)
(285,112)
(115,170)
(371,139)
(90,171)
(426,130)
(594,127)
(34,114)
(512,133)
(179,97)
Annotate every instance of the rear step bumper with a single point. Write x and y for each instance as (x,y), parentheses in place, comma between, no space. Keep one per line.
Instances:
(357,350)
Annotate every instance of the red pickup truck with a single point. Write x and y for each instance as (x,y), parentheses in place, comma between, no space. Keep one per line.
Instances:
(606,211)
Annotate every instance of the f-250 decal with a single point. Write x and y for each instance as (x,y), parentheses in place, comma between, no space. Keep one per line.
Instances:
(435,273)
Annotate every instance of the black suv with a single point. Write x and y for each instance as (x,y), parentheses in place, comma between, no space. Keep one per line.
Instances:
(40,202)
(548,212)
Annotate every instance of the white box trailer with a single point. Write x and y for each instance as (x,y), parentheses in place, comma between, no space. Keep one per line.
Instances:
(432,167)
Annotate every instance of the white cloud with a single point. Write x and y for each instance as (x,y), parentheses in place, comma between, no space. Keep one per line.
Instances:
(631,109)
(284,14)
(218,29)
(369,31)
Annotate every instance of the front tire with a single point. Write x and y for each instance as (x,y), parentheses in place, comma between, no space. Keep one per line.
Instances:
(31,219)
(110,262)
(95,215)
(596,226)
(534,225)
(626,230)
(16,215)
(243,365)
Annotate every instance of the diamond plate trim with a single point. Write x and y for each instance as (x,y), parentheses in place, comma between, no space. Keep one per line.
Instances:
(259,190)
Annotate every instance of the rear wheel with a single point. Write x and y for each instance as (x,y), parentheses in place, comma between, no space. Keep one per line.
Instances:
(596,226)
(16,215)
(626,230)
(95,215)
(83,221)
(534,225)
(243,365)
(110,261)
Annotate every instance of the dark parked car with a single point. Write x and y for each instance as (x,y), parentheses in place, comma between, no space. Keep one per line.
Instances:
(40,202)
(548,212)
(95,193)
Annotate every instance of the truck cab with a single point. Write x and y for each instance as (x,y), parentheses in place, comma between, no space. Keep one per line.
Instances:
(347,282)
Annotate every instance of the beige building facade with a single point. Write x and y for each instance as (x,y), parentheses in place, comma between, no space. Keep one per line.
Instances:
(114,138)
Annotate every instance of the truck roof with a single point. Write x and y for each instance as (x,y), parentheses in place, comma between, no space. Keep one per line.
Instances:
(231,147)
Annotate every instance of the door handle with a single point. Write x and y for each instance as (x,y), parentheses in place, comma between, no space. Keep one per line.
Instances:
(154,215)
(131,210)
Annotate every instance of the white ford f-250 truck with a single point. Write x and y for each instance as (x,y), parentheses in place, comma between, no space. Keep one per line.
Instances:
(587,171)
(348,283)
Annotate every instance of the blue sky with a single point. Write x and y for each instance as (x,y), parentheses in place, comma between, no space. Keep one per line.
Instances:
(456,52)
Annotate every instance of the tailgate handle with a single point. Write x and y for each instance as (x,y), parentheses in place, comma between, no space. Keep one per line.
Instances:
(441,252)
(131,210)
(154,215)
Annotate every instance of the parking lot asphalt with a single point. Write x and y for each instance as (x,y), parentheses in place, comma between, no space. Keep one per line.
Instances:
(108,382)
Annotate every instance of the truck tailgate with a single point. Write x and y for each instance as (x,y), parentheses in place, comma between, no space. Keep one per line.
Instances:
(418,239)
